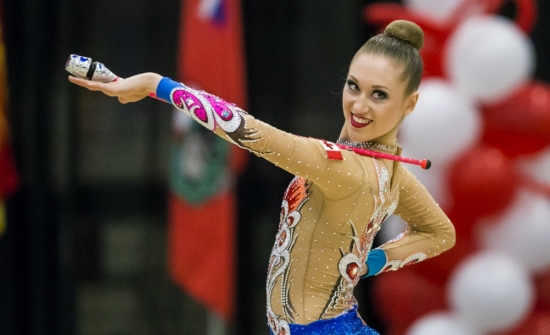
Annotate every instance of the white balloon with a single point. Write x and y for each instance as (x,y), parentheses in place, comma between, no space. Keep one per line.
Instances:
(491,291)
(487,57)
(443,124)
(440,324)
(522,232)
(391,228)
(538,166)
(440,10)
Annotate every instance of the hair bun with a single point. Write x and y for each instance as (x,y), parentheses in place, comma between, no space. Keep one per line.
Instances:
(407,31)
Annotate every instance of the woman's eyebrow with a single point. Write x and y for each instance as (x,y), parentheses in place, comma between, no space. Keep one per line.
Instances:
(373,86)
(381,86)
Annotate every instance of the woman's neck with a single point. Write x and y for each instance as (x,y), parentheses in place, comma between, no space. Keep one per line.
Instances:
(389,138)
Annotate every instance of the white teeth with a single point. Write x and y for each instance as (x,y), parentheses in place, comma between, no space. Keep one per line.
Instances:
(360,120)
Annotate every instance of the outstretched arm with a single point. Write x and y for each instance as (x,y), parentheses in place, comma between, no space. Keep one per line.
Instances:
(316,160)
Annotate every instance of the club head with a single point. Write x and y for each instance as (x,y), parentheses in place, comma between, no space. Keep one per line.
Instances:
(85,68)
(78,66)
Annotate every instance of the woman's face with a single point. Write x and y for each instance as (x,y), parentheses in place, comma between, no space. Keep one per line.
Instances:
(374,99)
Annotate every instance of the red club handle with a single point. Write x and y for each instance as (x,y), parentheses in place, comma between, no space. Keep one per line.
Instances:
(424,163)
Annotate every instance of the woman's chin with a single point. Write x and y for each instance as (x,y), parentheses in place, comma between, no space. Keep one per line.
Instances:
(355,135)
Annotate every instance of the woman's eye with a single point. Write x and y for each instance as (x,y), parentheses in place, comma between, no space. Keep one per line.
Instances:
(379,95)
(352,86)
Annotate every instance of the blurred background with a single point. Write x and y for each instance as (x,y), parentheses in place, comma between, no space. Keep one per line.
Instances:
(93,205)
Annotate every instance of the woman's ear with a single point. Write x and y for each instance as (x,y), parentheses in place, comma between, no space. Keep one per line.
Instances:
(411,103)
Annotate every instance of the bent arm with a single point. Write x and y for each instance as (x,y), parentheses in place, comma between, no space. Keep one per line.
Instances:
(429,232)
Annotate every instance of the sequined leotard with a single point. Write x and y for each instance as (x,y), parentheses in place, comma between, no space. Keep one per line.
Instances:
(330,214)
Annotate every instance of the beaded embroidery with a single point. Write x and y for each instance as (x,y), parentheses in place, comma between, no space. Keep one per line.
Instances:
(349,323)
(367,145)
(351,264)
(294,198)
(396,264)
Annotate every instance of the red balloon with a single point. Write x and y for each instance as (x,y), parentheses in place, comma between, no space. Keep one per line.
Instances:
(542,282)
(402,297)
(434,42)
(397,330)
(537,323)
(482,182)
(438,269)
(520,124)
(463,221)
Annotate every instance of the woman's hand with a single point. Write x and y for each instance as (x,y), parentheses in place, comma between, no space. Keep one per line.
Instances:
(131,89)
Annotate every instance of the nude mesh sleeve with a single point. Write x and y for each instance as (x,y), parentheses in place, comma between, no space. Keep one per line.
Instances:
(429,232)
(304,157)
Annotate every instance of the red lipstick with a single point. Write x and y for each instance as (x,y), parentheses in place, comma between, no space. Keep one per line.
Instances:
(357,124)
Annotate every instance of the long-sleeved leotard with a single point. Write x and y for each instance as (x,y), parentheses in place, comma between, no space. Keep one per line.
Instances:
(330,214)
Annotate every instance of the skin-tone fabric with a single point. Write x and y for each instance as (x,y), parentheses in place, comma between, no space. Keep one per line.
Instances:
(330,213)
(331,210)
(339,207)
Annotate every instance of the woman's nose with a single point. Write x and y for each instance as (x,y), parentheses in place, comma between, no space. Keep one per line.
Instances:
(361,105)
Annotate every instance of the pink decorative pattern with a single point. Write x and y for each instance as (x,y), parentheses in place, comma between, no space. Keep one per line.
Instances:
(208,110)
(184,99)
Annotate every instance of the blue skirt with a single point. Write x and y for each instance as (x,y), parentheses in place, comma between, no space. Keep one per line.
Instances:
(348,323)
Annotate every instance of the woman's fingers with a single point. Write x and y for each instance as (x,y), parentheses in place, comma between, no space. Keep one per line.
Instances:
(126,90)
(80,82)
(93,85)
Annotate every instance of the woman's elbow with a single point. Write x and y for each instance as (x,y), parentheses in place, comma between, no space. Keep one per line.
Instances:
(449,236)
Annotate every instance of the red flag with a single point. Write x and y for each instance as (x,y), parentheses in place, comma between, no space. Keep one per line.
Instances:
(8,177)
(202,249)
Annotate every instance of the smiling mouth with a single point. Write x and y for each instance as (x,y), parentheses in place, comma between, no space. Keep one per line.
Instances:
(359,122)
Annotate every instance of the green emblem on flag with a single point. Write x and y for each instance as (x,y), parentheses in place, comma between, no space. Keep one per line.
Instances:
(199,165)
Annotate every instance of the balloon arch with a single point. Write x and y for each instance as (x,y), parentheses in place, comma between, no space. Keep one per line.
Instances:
(485,124)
